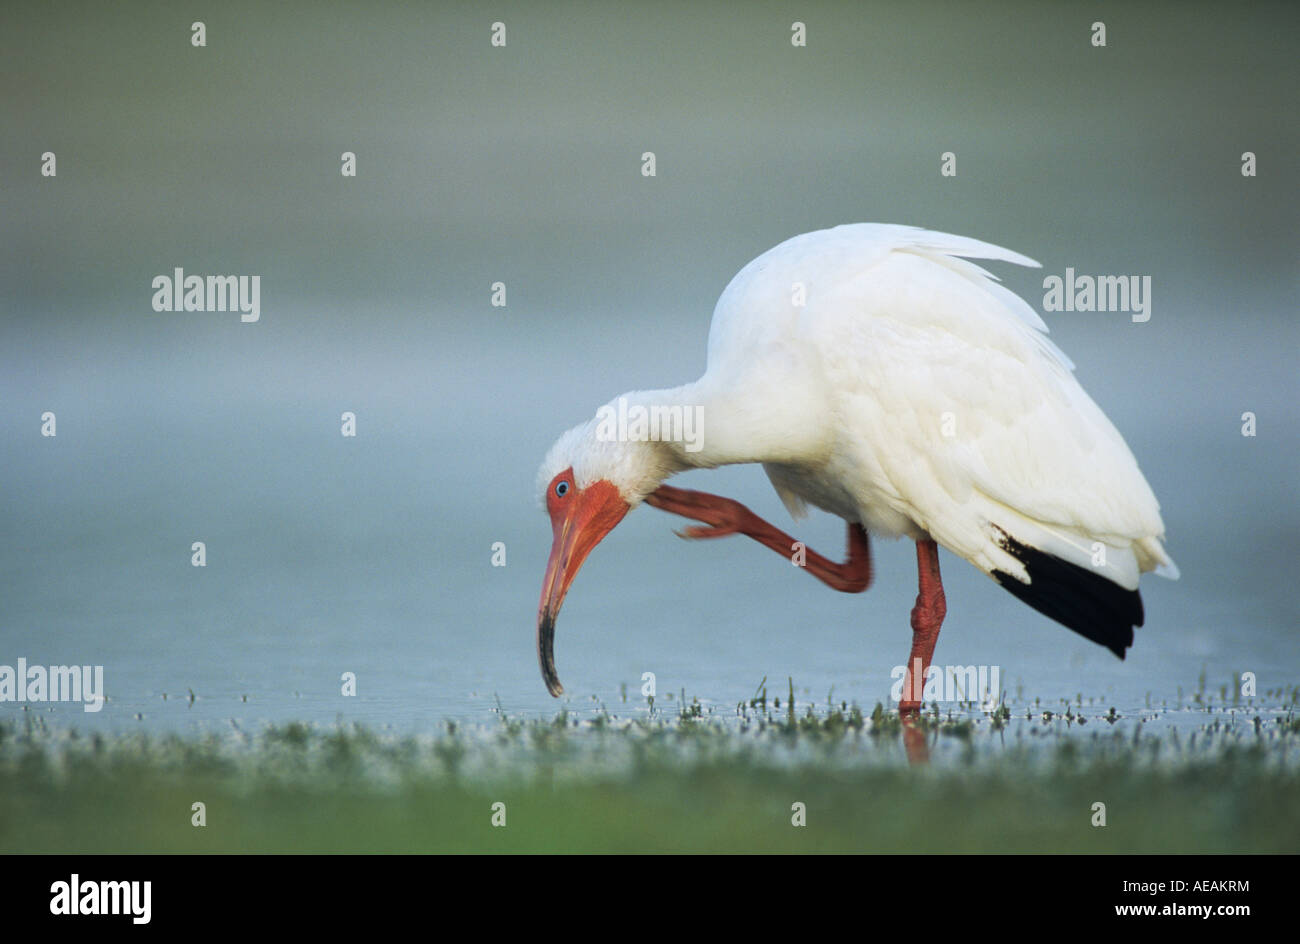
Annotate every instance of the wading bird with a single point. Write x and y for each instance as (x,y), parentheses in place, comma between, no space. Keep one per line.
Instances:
(880,376)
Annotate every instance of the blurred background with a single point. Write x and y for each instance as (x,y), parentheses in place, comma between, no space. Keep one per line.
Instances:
(522,165)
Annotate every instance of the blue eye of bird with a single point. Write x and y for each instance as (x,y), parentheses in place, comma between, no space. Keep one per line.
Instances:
(561,489)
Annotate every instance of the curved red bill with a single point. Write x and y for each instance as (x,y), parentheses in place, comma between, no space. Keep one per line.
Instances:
(580,519)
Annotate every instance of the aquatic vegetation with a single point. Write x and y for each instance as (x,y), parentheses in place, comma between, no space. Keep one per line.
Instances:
(1017,776)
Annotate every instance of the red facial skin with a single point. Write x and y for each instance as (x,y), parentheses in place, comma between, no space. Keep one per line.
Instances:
(580,519)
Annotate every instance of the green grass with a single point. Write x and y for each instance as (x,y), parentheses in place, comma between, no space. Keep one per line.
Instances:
(1019,780)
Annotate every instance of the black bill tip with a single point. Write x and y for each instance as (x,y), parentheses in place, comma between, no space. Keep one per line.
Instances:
(546,654)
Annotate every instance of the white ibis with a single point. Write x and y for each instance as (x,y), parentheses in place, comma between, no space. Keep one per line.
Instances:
(878,375)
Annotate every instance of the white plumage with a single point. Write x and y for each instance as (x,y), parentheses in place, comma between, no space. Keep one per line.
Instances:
(878,374)
(930,402)
(910,392)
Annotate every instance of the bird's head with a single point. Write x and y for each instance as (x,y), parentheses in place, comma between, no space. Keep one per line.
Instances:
(588,485)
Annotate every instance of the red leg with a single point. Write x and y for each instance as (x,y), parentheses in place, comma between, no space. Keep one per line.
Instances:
(927,617)
(725,516)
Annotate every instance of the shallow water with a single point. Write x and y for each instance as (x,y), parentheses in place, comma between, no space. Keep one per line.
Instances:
(373,556)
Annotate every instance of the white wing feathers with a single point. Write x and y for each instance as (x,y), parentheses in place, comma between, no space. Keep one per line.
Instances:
(949,410)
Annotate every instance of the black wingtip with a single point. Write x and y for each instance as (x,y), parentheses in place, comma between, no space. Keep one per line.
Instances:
(1074,596)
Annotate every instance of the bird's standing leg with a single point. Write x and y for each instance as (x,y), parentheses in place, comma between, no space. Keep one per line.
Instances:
(927,617)
(725,516)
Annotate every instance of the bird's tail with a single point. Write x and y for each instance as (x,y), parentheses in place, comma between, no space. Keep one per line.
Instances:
(1078,597)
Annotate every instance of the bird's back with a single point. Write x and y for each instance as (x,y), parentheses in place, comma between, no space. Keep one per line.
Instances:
(939,404)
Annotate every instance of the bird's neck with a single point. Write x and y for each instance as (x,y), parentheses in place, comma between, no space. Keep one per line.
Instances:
(738,416)
(707,423)
(668,425)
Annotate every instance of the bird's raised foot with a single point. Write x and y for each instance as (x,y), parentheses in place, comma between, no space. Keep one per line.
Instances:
(724,516)
(712,531)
